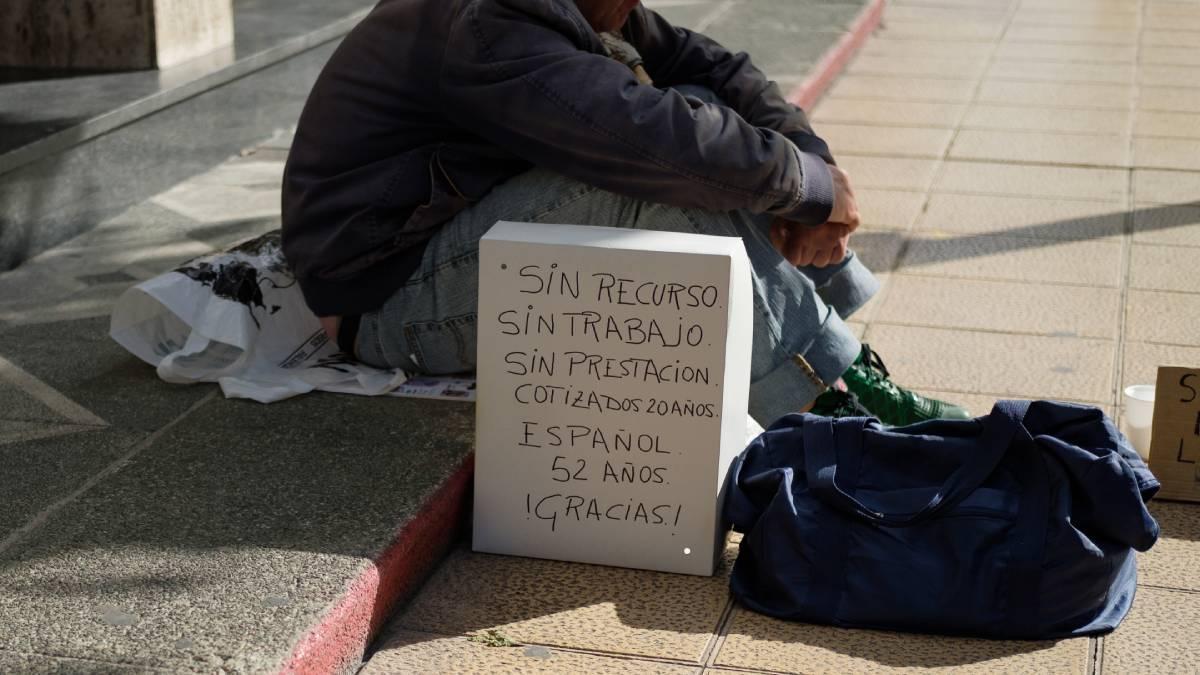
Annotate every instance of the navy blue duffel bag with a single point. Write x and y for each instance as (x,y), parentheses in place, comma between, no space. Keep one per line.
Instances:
(1020,524)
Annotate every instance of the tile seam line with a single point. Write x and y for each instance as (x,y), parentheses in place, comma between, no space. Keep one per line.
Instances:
(621,656)
(1127,246)
(136,111)
(113,467)
(993,331)
(902,271)
(48,396)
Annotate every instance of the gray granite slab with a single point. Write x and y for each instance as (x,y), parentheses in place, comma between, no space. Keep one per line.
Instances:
(80,361)
(222,542)
(38,473)
(64,194)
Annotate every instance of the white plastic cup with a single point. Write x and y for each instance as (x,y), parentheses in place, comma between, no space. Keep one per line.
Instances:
(1139,416)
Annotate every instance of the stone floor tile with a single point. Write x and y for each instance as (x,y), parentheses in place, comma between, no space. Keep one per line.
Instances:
(1079,19)
(1056,94)
(888,208)
(1169,76)
(1041,147)
(878,249)
(243,173)
(1141,361)
(1168,224)
(943,29)
(1067,35)
(1001,258)
(998,5)
(1171,56)
(1164,268)
(1171,38)
(1074,369)
(943,13)
(1040,51)
(761,642)
(1179,125)
(904,113)
(861,139)
(217,202)
(1061,219)
(1082,5)
(1155,316)
(1167,153)
(1021,181)
(1166,187)
(1174,559)
(919,66)
(413,652)
(1154,20)
(571,605)
(1170,9)
(96,301)
(1046,71)
(1170,99)
(903,89)
(1005,307)
(1026,118)
(1158,636)
(880,45)
(857,328)
(282,140)
(888,173)
(866,313)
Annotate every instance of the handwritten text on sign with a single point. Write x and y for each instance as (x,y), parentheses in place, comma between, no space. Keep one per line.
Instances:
(602,373)
(604,314)
(1175,450)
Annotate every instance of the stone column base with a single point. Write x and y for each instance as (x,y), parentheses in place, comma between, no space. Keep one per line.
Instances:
(111,34)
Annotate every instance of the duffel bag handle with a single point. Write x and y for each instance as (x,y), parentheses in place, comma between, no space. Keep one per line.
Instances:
(821,463)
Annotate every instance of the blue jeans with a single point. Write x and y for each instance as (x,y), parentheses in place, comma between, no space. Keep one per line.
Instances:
(800,341)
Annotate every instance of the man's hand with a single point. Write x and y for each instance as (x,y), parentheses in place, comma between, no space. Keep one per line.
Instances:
(825,244)
(845,205)
(815,245)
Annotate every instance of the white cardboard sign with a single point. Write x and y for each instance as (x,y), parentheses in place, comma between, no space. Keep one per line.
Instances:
(613,376)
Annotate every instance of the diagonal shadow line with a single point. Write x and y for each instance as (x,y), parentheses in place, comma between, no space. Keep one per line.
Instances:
(1148,219)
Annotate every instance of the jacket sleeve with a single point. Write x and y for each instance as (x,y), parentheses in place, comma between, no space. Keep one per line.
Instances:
(676,55)
(530,77)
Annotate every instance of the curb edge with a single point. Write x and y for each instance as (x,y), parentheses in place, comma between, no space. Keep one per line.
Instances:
(341,637)
(836,58)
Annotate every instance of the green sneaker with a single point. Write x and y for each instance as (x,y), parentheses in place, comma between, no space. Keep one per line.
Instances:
(869,379)
(838,403)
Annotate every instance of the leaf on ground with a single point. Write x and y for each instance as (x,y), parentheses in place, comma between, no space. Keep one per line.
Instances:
(492,638)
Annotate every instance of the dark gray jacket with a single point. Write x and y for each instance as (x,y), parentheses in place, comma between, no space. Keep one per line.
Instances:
(428,104)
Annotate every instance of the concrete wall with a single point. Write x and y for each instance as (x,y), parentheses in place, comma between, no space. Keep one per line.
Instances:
(111,34)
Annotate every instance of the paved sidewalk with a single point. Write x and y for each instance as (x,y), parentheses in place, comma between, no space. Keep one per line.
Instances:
(148,527)
(1030,176)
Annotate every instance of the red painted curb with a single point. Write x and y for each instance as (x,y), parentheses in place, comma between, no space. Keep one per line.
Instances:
(344,633)
(835,60)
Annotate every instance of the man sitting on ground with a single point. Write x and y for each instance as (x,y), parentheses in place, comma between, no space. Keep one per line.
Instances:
(436,118)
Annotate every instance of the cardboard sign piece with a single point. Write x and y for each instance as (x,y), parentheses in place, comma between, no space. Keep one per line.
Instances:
(613,375)
(1175,436)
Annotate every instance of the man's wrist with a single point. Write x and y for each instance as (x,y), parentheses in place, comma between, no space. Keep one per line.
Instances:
(814,201)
